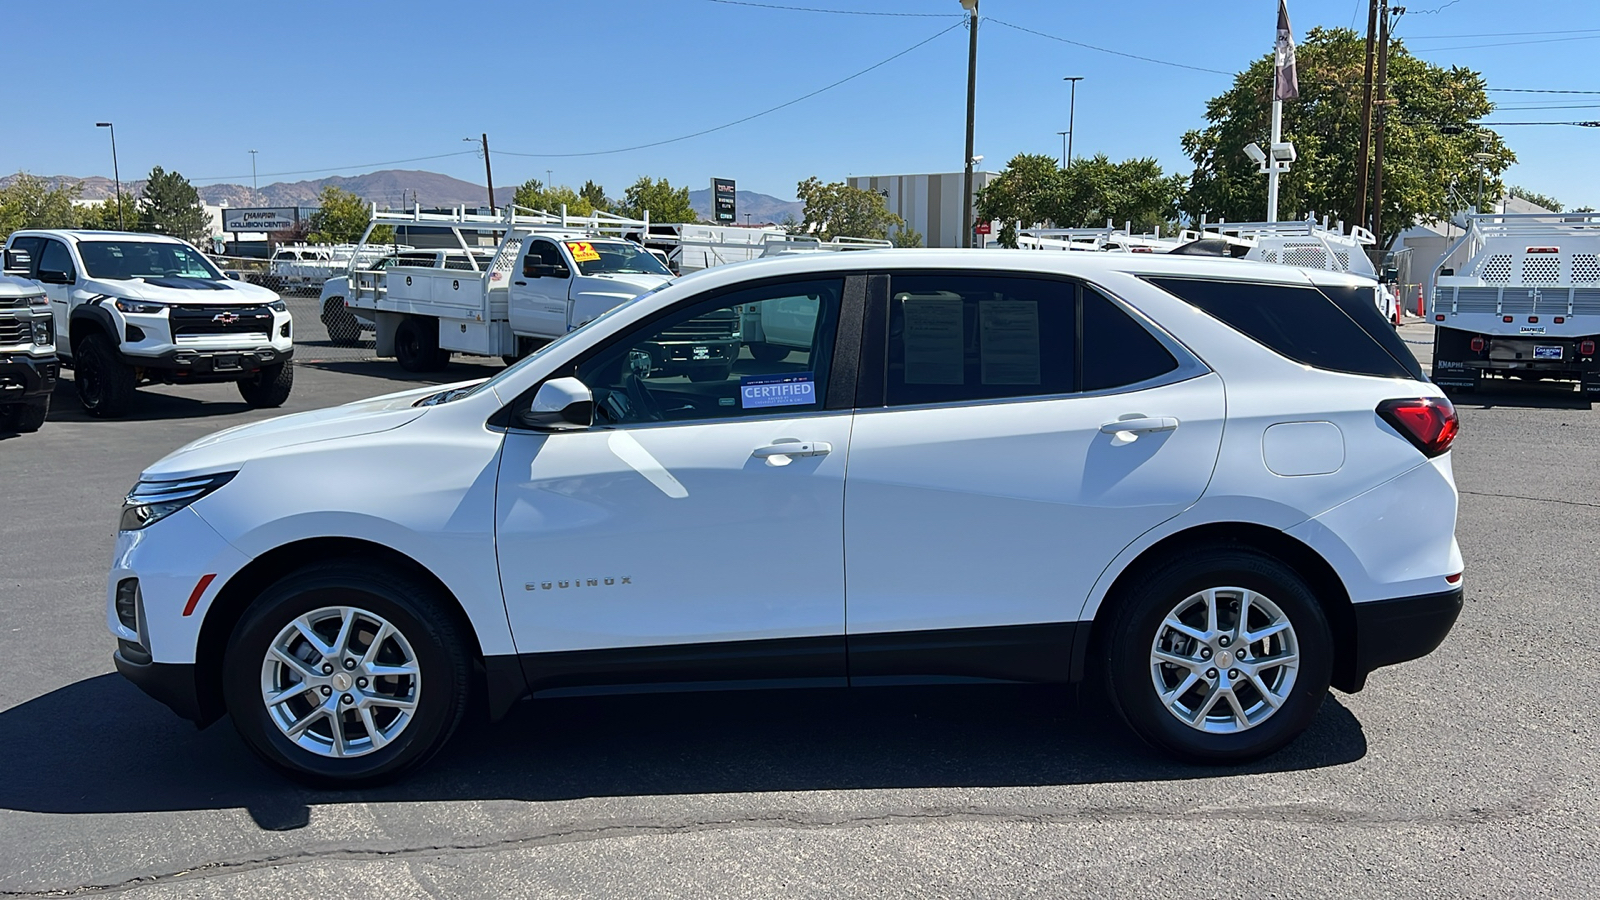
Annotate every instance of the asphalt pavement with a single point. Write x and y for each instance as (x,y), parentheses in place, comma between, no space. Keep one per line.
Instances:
(1471,772)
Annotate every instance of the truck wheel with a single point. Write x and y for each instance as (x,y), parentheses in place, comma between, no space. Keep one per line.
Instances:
(268,388)
(345,674)
(105,384)
(1219,656)
(28,417)
(416,346)
(343,329)
(767,353)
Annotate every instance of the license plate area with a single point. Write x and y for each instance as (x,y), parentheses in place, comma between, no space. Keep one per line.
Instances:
(225,362)
(1546,352)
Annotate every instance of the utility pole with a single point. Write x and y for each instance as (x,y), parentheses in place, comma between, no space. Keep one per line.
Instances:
(1366,116)
(1072,115)
(254,188)
(117,175)
(972,100)
(488,175)
(1063,149)
(1382,114)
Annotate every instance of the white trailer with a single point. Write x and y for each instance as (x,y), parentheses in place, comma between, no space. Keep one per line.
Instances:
(1519,296)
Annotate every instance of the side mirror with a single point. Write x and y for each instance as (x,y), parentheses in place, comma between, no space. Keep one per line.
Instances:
(1447,272)
(18,262)
(532,269)
(232,275)
(562,404)
(55,276)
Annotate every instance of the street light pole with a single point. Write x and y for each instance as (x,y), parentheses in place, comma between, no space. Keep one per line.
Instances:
(254,188)
(1063,149)
(115,174)
(1072,115)
(972,99)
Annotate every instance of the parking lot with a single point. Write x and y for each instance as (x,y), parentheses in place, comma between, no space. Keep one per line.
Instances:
(1470,772)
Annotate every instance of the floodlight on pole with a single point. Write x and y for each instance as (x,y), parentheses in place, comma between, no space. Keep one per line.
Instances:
(115,174)
(254,188)
(1072,115)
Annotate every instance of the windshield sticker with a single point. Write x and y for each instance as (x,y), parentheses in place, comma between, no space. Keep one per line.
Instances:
(582,251)
(760,391)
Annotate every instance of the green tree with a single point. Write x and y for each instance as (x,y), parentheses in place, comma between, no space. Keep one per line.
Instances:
(342,217)
(1429,166)
(172,206)
(1027,190)
(1033,190)
(533,194)
(907,237)
(33,202)
(529,194)
(839,210)
(103,216)
(596,195)
(1533,197)
(665,202)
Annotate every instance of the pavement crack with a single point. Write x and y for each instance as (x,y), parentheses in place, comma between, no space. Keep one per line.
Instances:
(1295,813)
(1534,499)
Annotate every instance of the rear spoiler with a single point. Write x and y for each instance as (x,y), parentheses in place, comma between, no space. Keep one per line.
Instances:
(1210,247)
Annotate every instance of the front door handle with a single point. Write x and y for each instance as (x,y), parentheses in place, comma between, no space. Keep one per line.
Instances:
(793,448)
(520,283)
(1141,425)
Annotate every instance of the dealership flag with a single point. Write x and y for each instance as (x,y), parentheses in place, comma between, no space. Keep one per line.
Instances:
(1288,82)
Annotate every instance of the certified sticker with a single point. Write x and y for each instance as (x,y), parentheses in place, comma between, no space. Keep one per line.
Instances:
(582,251)
(759,391)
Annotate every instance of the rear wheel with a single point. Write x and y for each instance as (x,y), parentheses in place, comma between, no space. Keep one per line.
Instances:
(268,388)
(1222,656)
(416,346)
(346,674)
(767,353)
(105,384)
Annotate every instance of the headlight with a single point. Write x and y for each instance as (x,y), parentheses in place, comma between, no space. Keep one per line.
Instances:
(278,306)
(44,330)
(152,501)
(139,306)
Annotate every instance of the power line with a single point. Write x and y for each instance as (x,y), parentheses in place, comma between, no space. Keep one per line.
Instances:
(1581,124)
(1148,59)
(392,162)
(1536,91)
(839,12)
(1587,37)
(1442,37)
(1433,12)
(758,115)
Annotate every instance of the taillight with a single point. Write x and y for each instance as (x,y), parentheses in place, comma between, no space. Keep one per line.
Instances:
(1586,348)
(1430,423)
(1477,345)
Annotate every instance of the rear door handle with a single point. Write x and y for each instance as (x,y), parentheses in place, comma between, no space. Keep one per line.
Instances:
(520,283)
(1143,425)
(793,448)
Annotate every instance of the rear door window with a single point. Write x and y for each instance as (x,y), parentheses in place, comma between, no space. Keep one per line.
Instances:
(1300,323)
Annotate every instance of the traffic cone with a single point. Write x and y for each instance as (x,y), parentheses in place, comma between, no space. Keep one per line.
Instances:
(1399,317)
(1422,309)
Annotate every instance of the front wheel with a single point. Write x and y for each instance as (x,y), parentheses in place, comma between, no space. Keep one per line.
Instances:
(268,388)
(346,674)
(1222,656)
(105,383)
(25,418)
(343,329)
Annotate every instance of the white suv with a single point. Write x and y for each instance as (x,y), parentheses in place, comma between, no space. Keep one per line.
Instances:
(1220,486)
(144,308)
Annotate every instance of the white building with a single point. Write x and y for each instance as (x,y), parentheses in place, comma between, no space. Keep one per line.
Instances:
(930,204)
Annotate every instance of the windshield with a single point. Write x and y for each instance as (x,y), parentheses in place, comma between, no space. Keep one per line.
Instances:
(614,258)
(144,259)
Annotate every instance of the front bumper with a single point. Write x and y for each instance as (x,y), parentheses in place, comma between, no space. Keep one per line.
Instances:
(1395,631)
(171,683)
(23,377)
(182,364)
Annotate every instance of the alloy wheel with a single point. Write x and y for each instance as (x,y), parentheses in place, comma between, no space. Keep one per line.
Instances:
(1224,660)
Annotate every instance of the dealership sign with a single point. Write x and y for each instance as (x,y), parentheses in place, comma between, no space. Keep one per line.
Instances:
(722,205)
(275,219)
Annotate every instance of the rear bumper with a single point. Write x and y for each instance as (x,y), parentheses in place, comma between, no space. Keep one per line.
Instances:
(1456,364)
(171,683)
(1394,631)
(23,377)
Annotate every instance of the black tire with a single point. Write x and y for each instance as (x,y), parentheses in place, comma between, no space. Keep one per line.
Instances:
(704,374)
(343,329)
(416,346)
(105,384)
(26,418)
(268,388)
(416,611)
(767,353)
(1136,624)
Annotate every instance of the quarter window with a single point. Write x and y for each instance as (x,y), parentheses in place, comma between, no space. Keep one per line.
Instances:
(954,338)
(1118,351)
(757,351)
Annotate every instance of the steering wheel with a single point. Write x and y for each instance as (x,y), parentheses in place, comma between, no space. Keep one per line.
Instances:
(644,403)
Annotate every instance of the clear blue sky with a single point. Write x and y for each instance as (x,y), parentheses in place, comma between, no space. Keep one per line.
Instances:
(340,86)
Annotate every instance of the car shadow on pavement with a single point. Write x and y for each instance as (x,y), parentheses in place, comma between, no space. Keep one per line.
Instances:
(148,406)
(1523,395)
(100,746)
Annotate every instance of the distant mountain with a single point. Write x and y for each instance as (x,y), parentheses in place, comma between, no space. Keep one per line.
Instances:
(763,208)
(401,188)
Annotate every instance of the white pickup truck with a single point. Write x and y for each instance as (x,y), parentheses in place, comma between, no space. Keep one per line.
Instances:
(545,276)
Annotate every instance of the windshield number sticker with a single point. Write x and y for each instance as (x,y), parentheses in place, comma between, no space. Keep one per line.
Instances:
(761,391)
(582,251)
